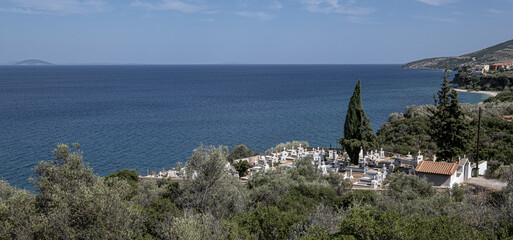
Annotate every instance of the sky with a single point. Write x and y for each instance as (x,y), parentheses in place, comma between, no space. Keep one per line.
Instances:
(249,31)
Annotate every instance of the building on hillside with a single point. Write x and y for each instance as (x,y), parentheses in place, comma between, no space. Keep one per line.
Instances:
(464,171)
(480,69)
(504,66)
(444,174)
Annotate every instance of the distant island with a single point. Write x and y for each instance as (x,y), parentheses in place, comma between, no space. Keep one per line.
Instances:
(32,62)
(502,52)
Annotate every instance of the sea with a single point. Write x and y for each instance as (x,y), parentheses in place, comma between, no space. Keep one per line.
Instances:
(149,117)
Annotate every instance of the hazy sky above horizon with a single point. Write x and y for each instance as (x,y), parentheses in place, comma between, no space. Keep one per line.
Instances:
(249,31)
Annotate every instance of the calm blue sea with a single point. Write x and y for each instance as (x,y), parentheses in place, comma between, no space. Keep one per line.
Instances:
(150,117)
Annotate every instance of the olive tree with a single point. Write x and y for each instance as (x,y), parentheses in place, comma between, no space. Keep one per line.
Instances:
(238,152)
(18,216)
(77,204)
(208,187)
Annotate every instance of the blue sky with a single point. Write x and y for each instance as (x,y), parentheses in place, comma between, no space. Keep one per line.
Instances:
(249,31)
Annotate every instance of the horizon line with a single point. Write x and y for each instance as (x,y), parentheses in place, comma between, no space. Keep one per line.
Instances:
(189,64)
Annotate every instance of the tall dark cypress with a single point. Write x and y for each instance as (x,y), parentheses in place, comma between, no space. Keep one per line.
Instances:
(357,131)
(449,128)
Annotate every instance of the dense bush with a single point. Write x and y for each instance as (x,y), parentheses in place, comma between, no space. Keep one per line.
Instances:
(370,223)
(238,152)
(19,218)
(358,198)
(496,140)
(130,176)
(490,110)
(494,81)
(506,96)
(73,203)
(242,167)
(207,188)
(268,222)
(411,134)
(401,187)
(407,135)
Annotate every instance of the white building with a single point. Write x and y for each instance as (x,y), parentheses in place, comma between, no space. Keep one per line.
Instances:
(444,174)
(505,66)
(480,69)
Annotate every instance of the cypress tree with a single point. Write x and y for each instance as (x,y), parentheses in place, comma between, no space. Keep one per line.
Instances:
(449,128)
(357,130)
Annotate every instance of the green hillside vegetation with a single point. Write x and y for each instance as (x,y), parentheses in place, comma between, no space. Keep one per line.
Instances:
(506,96)
(497,81)
(498,53)
(410,131)
(240,151)
(409,135)
(413,130)
(299,203)
(491,109)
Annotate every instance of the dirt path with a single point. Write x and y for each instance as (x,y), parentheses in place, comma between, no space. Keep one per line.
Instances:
(492,184)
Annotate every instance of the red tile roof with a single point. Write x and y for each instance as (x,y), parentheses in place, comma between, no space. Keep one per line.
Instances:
(440,168)
(503,64)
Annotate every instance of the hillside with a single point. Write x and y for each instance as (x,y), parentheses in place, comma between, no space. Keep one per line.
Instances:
(32,62)
(497,53)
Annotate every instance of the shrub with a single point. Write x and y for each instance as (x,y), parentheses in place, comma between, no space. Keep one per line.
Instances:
(358,198)
(458,193)
(19,218)
(208,187)
(130,176)
(406,135)
(395,116)
(242,167)
(506,96)
(268,222)
(400,186)
(238,152)
(369,223)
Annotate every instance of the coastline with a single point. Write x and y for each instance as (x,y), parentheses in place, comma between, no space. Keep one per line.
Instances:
(488,93)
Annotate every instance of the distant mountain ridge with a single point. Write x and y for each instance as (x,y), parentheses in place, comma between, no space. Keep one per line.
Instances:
(501,52)
(32,62)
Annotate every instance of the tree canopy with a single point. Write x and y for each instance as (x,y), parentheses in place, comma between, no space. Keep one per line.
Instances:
(357,130)
(238,152)
(449,128)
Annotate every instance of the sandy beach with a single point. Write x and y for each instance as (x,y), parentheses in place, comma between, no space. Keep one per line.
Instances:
(489,93)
